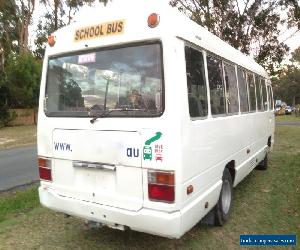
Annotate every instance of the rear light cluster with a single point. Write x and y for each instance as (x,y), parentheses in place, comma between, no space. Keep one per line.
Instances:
(45,169)
(161,186)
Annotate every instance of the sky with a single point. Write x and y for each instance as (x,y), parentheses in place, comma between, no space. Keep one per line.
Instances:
(288,36)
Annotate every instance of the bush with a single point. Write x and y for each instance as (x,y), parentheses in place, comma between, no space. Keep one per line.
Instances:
(6,116)
(23,79)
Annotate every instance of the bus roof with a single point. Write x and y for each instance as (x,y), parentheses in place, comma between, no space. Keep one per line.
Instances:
(135,28)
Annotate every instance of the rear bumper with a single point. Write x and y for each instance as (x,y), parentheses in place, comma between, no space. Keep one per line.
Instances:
(144,220)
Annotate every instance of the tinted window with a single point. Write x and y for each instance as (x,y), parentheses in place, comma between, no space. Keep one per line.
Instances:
(231,89)
(120,81)
(197,93)
(243,90)
(217,91)
(251,90)
(258,92)
(264,94)
(270,98)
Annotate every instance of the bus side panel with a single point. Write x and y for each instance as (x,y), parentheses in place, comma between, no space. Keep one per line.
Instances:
(211,144)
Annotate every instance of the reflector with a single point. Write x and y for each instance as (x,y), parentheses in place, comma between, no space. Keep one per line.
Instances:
(51,40)
(153,20)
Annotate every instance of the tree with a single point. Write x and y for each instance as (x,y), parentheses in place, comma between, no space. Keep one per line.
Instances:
(251,26)
(9,36)
(24,11)
(60,13)
(15,18)
(23,79)
(287,86)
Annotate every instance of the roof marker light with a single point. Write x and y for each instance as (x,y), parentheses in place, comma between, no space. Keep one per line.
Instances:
(153,20)
(51,40)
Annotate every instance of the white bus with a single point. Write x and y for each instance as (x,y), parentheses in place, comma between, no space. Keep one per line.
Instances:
(147,121)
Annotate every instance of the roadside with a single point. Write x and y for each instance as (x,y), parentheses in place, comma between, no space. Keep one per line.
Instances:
(287,118)
(18,166)
(11,137)
(266,202)
(287,123)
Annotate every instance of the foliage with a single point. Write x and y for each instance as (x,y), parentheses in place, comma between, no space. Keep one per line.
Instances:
(4,113)
(61,13)
(15,18)
(251,26)
(9,35)
(287,85)
(4,116)
(23,79)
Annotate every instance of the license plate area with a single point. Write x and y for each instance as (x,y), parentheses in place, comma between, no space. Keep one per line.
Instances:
(105,184)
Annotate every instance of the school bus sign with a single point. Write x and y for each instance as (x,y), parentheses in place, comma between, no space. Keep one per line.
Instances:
(99,30)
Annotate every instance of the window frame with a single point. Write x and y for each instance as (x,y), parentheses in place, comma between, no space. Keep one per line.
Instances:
(203,52)
(244,71)
(248,87)
(113,47)
(265,108)
(256,76)
(209,54)
(237,86)
(206,53)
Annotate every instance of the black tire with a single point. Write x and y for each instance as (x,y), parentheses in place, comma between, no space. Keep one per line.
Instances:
(223,207)
(263,165)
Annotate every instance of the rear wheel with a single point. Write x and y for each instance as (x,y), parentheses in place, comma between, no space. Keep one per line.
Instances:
(223,207)
(263,165)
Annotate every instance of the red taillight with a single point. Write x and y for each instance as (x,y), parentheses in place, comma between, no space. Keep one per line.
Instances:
(161,192)
(161,186)
(45,169)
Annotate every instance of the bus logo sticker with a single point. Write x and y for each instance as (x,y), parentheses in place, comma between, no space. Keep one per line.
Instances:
(158,150)
(147,150)
(133,152)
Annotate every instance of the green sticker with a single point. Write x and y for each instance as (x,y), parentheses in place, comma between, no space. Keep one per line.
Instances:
(147,150)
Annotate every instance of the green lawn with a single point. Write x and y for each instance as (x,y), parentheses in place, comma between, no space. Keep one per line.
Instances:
(11,137)
(266,202)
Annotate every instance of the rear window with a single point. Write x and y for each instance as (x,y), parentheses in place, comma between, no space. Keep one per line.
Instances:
(120,81)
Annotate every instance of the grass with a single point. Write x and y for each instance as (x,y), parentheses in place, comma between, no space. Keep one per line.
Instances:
(11,137)
(287,118)
(266,202)
(17,202)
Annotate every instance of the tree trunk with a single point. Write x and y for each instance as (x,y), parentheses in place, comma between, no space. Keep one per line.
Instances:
(26,13)
(56,3)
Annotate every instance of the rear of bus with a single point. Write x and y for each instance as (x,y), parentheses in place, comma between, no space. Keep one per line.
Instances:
(105,156)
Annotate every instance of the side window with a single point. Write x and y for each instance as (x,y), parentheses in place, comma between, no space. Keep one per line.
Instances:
(271,105)
(243,90)
(251,90)
(197,93)
(217,90)
(258,93)
(231,89)
(264,94)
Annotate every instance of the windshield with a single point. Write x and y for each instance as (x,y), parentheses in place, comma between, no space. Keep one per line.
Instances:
(125,81)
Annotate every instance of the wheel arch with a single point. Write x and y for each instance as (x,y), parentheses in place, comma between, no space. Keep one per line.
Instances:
(231,167)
